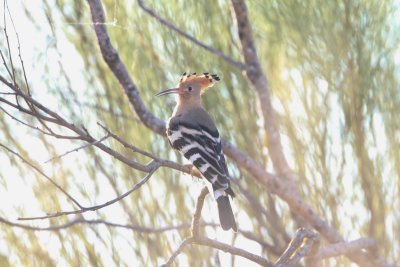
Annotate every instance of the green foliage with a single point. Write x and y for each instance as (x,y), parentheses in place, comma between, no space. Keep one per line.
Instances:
(332,67)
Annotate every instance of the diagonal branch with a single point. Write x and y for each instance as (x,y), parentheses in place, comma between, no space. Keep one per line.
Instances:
(274,183)
(41,173)
(298,248)
(257,78)
(78,148)
(97,207)
(185,242)
(114,62)
(189,37)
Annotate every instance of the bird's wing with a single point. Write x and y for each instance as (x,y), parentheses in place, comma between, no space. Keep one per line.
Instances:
(201,146)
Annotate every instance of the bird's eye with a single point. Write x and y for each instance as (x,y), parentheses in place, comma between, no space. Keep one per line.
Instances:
(189,88)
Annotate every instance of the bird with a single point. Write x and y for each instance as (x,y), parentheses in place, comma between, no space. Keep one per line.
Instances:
(192,132)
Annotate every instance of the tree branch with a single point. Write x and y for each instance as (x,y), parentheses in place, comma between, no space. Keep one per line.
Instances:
(111,57)
(282,187)
(78,148)
(197,213)
(204,241)
(189,37)
(154,166)
(41,173)
(135,228)
(298,248)
(257,78)
(344,248)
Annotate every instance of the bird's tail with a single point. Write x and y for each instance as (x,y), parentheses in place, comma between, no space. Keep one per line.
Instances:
(226,218)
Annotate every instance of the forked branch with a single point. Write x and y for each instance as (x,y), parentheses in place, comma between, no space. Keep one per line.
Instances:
(195,238)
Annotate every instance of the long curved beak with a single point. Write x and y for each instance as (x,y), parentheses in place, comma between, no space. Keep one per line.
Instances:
(168,91)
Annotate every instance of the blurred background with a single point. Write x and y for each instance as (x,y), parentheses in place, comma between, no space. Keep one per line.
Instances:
(333,70)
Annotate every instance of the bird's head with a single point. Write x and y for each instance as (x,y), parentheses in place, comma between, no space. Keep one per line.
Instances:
(192,85)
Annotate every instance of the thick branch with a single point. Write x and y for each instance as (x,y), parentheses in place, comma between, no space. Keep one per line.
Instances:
(344,248)
(111,57)
(259,81)
(281,187)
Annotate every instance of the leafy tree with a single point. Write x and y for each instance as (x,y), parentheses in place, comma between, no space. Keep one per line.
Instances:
(307,106)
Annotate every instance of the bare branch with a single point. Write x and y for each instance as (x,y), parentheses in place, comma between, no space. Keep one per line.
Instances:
(285,189)
(113,61)
(78,148)
(5,64)
(188,169)
(343,248)
(197,213)
(256,76)
(204,241)
(135,228)
(42,173)
(189,37)
(251,236)
(8,43)
(298,248)
(111,57)
(154,167)
(19,49)
(24,123)
(178,251)
(127,145)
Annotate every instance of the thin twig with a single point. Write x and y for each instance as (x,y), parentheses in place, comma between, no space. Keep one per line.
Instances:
(7,93)
(270,181)
(43,174)
(5,64)
(8,42)
(30,105)
(188,169)
(135,228)
(97,207)
(78,148)
(178,251)
(258,239)
(191,38)
(126,144)
(28,125)
(19,49)
(82,134)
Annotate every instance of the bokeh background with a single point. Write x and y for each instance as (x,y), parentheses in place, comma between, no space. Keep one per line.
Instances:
(333,70)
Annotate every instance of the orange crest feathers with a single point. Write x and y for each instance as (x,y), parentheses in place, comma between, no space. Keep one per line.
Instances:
(205,80)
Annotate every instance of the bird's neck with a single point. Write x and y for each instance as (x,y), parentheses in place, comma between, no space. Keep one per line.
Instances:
(186,104)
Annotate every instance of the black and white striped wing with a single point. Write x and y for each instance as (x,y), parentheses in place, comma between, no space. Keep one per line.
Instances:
(202,147)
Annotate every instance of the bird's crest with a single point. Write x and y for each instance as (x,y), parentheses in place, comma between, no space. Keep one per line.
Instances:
(205,79)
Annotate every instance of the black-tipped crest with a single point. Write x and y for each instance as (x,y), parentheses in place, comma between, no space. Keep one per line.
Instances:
(205,79)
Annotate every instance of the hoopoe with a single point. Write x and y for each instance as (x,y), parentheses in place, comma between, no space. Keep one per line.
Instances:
(191,131)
